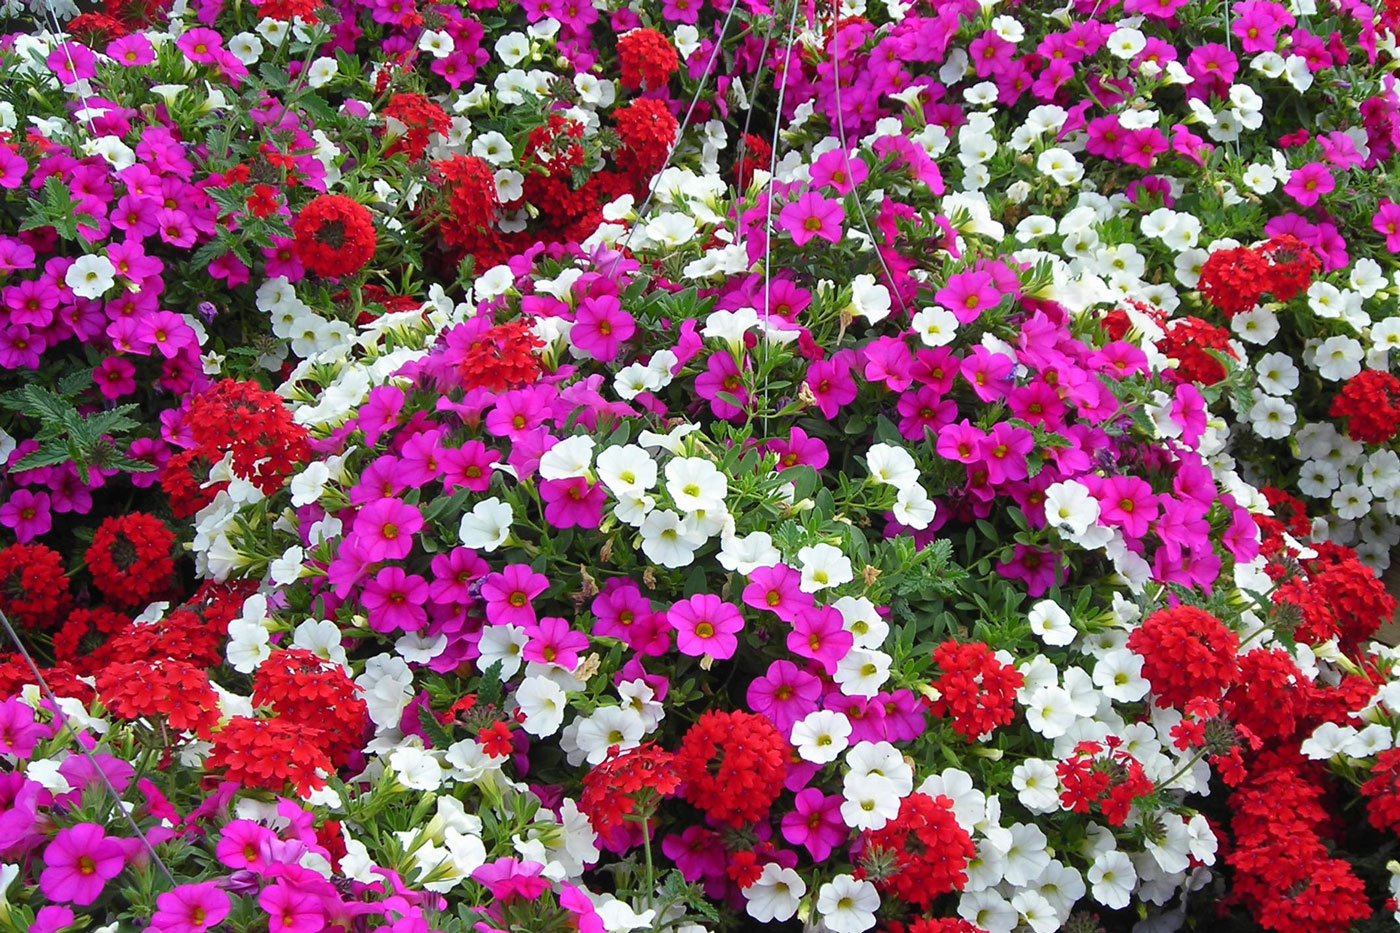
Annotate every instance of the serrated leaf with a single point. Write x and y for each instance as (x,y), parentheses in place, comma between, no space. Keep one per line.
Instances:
(435,732)
(490,690)
(43,457)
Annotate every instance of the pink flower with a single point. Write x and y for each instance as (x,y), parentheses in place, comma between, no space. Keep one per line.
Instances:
(722,386)
(166,331)
(573,503)
(385,528)
(784,695)
(968,294)
(51,919)
(1005,451)
(1386,222)
(553,642)
(131,51)
(19,733)
(1128,502)
(200,45)
(27,514)
(988,373)
(831,384)
(812,215)
(962,442)
(243,845)
(778,590)
(706,624)
(190,908)
(1039,570)
(114,377)
(508,595)
(79,862)
(1309,183)
(820,634)
(290,910)
(601,327)
(815,822)
(839,170)
(394,601)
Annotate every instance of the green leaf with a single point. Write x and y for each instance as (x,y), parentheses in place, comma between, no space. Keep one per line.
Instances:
(43,457)
(436,733)
(490,690)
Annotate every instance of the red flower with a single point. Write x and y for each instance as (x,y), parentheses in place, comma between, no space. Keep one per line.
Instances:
(1234,280)
(1187,653)
(421,118)
(472,204)
(647,130)
(33,588)
(270,754)
(556,147)
(732,766)
(754,153)
(1370,403)
(976,689)
(130,559)
(495,740)
(613,790)
(334,236)
(176,691)
(1186,341)
(302,688)
(931,851)
(502,358)
(1383,789)
(263,201)
(647,58)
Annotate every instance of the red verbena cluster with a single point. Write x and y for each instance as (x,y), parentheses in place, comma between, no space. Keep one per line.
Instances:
(1370,403)
(613,789)
(241,419)
(472,203)
(33,587)
(1235,280)
(1106,777)
(732,766)
(315,694)
(421,118)
(648,130)
(268,753)
(1382,791)
(1187,340)
(131,559)
(1187,654)
(754,153)
(176,691)
(975,688)
(1117,323)
(556,147)
(334,236)
(647,59)
(1337,597)
(930,850)
(502,358)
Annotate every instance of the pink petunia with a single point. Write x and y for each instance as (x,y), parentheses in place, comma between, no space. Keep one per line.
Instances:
(508,594)
(812,215)
(394,601)
(820,634)
(1309,183)
(706,625)
(551,641)
(79,862)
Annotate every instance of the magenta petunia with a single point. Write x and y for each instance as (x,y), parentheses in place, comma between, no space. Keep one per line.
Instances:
(820,634)
(79,862)
(190,908)
(784,695)
(706,625)
(552,641)
(777,589)
(812,215)
(508,594)
(601,327)
(394,601)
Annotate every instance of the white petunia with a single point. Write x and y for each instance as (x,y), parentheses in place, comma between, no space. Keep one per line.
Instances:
(1338,358)
(775,895)
(936,326)
(1118,674)
(695,484)
(869,802)
(322,71)
(913,508)
(668,540)
(821,736)
(1037,786)
(487,526)
(568,459)
(1050,711)
(542,701)
(891,465)
(847,905)
(1051,624)
(823,566)
(1112,879)
(90,276)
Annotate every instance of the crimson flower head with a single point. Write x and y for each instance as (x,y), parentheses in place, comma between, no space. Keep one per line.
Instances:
(647,58)
(334,236)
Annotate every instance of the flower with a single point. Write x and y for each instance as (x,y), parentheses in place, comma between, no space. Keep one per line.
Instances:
(812,215)
(775,894)
(847,905)
(190,908)
(732,766)
(706,625)
(334,236)
(821,736)
(79,862)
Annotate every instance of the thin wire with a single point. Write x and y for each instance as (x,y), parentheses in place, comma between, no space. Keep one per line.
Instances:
(768,206)
(753,94)
(72,66)
(63,718)
(676,144)
(846,155)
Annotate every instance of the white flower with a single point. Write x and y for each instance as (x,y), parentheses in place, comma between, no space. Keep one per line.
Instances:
(416,768)
(1258,325)
(882,760)
(322,71)
(513,48)
(487,525)
(1277,374)
(436,42)
(1037,786)
(1118,674)
(542,701)
(494,148)
(503,645)
(870,801)
(1125,42)
(568,459)
(669,540)
(1352,501)
(847,905)
(821,735)
(628,468)
(869,299)
(1112,879)
(747,553)
(775,895)
(609,726)
(935,325)
(891,465)
(1026,857)
(1338,358)
(1035,911)
(246,47)
(322,638)
(247,645)
(90,276)
(1271,416)
(1070,506)
(823,565)
(286,570)
(1051,624)
(1050,711)
(913,508)
(695,484)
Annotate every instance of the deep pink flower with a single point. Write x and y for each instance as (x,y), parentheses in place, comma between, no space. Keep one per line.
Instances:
(785,694)
(51,919)
(114,377)
(243,845)
(394,601)
(839,170)
(812,215)
(820,634)
(1004,451)
(19,733)
(1039,570)
(778,590)
(573,502)
(988,373)
(721,384)
(131,51)
(166,332)
(800,449)
(290,910)
(1386,222)
(385,528)
(1128,502)
(453,574)
(553,642)
(968,295)
(79,862)
(831,384)
(508,594)
(72,62)
(706,624)
(601,327)
(962,442)
(508,879)
(27,514)
(190,908)
(467,467)
(1309,183)
(200,45)
(815,823)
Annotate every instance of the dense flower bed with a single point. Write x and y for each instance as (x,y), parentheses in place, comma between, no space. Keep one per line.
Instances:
(687,467)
